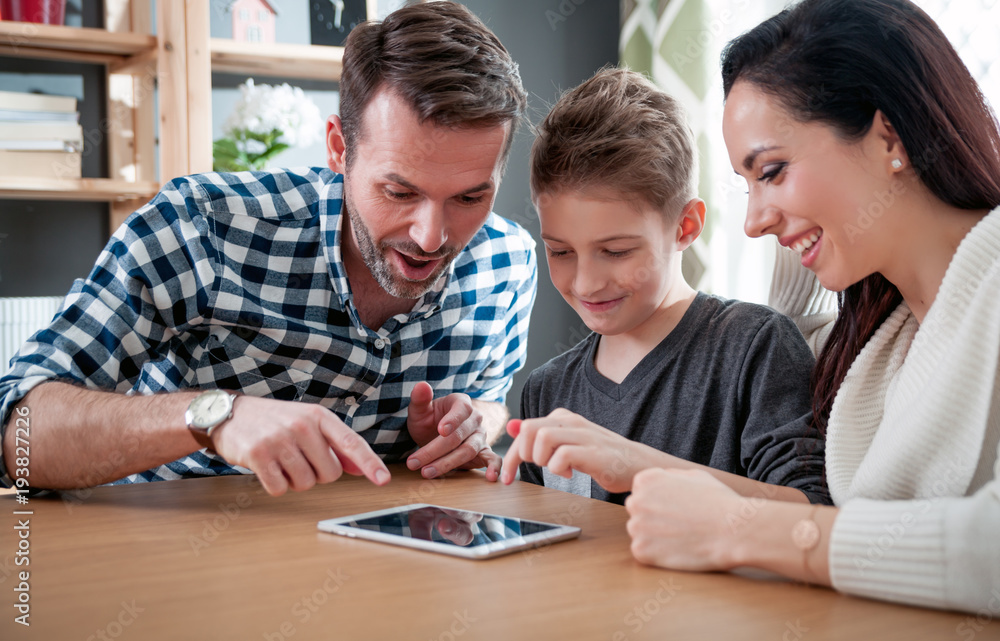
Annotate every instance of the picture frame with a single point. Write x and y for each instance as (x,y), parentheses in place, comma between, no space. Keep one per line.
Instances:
(331,20)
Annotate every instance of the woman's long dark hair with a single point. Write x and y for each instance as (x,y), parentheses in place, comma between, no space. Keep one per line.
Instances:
(838,61)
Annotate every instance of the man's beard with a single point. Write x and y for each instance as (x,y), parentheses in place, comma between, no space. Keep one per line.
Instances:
(378,264)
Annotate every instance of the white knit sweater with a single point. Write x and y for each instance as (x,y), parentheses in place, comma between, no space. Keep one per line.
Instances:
(912,440)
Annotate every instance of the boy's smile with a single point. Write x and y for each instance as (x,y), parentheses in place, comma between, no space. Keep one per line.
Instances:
(597,307)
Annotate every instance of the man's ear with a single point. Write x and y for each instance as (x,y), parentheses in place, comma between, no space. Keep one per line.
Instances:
(336,146)
(691,223)
(889,143)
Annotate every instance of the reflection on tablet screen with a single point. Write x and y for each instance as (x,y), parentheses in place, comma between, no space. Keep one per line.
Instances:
(451,527)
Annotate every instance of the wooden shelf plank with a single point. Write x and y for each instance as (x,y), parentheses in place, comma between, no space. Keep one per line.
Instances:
(313,62)
(91,189)
(38,53)
(71,40)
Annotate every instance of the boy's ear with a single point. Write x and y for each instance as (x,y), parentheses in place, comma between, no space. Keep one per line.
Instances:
(691,223)
(336,146)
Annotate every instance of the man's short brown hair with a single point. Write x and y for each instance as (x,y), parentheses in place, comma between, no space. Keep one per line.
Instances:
(442,60)
(617,132)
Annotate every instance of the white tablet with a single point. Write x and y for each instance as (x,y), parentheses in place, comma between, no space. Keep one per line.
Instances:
(471,535)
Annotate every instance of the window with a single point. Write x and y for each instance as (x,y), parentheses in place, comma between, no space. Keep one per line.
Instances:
(971,27)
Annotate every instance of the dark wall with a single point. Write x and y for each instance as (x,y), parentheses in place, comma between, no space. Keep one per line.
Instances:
(557,44)
(44,245)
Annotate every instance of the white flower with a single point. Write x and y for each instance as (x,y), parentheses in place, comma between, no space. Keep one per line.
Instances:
(263,109)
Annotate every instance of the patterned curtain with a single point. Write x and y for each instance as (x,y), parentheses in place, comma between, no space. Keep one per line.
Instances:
(678,44)
(671,41)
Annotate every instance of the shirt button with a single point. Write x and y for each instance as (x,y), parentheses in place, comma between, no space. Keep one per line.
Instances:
(349,401)
(429,314)
(379,343)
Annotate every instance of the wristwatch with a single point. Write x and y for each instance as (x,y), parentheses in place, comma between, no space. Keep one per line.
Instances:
(209,410)
(805,536)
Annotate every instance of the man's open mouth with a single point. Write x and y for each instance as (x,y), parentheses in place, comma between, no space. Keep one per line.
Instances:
(415,269)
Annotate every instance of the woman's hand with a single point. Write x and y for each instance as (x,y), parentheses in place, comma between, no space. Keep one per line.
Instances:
(684,520)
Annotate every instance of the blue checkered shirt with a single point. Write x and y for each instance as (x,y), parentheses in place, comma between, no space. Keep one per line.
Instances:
(236,281)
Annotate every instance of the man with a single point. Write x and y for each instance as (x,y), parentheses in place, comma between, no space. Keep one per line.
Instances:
(383,289)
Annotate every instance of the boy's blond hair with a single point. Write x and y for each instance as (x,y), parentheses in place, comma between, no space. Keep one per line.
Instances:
(618,132)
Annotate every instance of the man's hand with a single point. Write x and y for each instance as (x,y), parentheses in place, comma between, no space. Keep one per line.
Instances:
(294,445)
(564,441)
(454,525)
(451,434)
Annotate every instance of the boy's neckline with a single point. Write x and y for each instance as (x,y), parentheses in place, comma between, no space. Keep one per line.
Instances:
(651,357)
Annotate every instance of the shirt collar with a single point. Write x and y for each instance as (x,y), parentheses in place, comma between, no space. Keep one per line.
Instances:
(330,222)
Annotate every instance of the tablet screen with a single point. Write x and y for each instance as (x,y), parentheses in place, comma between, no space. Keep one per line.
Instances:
(451,527)
(448,530)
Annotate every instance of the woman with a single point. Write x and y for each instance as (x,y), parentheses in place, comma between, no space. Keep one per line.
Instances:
(872,155)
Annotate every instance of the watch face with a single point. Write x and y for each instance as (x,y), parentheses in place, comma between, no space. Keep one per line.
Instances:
(805,534)
(210,409)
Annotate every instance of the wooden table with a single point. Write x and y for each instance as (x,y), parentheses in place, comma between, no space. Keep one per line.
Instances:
(218,558)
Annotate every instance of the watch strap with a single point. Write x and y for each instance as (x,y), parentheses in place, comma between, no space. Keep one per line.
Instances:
(805,536)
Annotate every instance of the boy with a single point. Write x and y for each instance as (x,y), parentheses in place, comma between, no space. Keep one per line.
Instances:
(677,378)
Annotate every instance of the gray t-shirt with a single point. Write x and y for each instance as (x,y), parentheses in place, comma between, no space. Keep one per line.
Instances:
(727,388)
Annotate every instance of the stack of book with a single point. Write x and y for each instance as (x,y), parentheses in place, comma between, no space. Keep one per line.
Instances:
(40,136)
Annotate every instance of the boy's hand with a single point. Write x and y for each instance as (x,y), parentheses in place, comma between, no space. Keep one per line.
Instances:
(564,441)
(450,432)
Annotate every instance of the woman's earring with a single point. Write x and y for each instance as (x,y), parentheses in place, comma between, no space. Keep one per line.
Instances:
(897,163)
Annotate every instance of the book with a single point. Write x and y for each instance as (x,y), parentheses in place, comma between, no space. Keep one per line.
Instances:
(40,164)
(35,130)
(40,145)
(36,102)
(28,114)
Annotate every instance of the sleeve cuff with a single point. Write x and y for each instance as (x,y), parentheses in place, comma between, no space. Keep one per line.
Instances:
(9,397)
(890,550)
(795,291)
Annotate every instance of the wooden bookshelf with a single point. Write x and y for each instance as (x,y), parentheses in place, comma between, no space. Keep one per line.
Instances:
(304,62)
(25,39)
(312,62)
(179,61)
(135,63)
(88,189)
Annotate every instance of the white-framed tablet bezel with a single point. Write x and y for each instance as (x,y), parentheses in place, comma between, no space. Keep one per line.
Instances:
(340,526)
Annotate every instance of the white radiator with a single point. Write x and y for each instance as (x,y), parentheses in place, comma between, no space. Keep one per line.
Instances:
(19,319)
